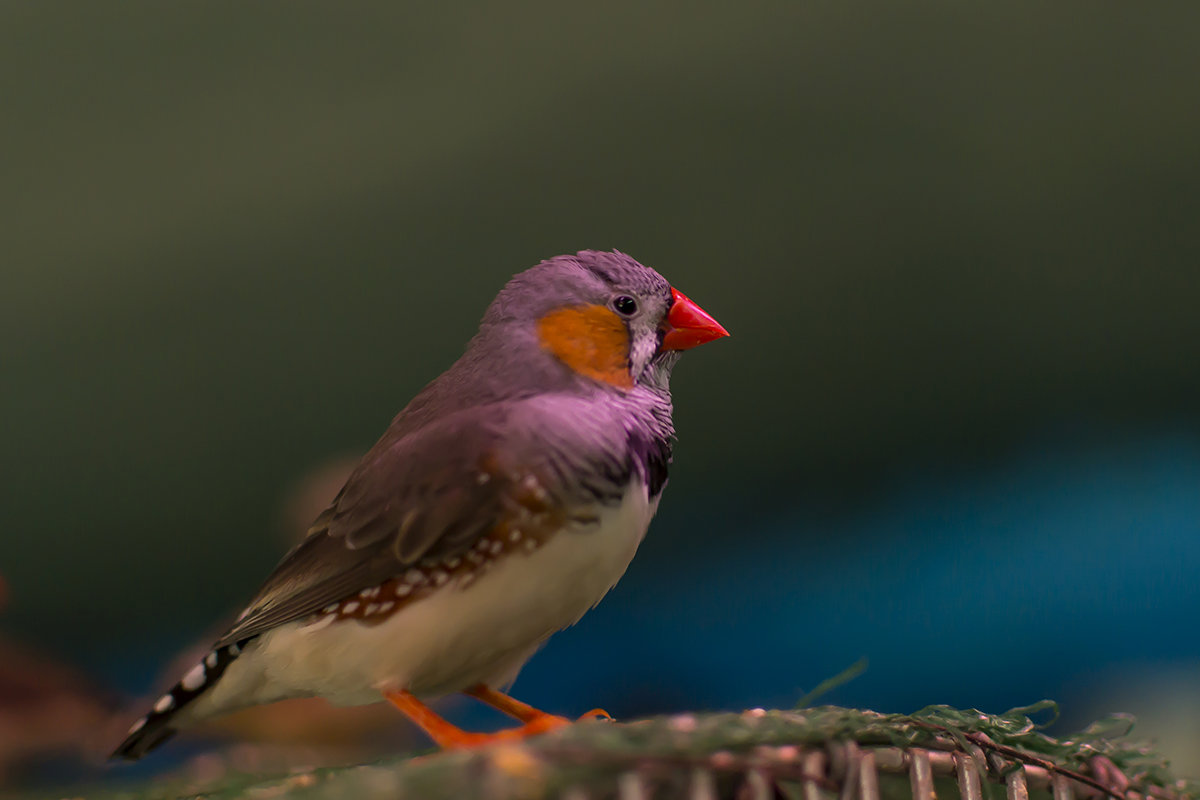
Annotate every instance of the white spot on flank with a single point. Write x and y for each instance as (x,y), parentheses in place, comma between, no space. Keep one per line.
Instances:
(211,659)
(234,649)
(497,547)
(515,536)
(451,563)
(329,609)
(164,703)
(414,576)
(440,578)
(474,558)
(482,478)
(194,678)
(371,608)
(531,545)
(367,594)
(482,544)
(386,606)
(350,607)
(403,589)
(137,726)
(323,622)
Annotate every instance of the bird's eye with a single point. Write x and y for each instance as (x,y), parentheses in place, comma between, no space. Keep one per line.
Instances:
(625,305)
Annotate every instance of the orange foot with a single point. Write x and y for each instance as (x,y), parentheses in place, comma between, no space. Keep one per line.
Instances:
(596,713)
(459,739)
(451,737)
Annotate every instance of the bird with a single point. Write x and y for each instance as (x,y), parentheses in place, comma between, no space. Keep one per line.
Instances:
(501,504)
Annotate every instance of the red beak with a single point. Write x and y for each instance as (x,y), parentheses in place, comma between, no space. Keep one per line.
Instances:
(689,325)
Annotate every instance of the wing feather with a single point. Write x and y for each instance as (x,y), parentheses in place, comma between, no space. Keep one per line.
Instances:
(428,495)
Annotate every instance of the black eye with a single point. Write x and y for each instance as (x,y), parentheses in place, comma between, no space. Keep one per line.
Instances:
(625,305)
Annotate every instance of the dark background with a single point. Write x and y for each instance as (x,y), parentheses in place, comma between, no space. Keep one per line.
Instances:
(956,429)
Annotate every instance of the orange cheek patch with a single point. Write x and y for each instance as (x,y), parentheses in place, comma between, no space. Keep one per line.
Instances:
(592,340)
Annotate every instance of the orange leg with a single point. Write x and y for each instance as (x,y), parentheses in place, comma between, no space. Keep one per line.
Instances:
(448,736)
(518,710)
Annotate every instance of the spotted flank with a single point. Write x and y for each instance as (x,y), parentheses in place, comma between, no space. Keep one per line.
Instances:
(520,533)
(530,519)
(155,728)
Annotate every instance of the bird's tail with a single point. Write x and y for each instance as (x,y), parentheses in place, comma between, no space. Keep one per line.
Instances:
(156,726)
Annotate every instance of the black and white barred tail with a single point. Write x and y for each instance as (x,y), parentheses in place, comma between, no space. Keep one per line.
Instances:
(155,728)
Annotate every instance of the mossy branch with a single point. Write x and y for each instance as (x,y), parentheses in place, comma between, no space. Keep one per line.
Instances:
(814,754)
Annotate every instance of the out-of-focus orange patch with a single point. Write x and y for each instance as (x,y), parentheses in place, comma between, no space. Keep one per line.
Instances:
(592,340)
(305,721)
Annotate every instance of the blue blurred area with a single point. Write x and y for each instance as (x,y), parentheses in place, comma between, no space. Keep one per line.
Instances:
(988,589)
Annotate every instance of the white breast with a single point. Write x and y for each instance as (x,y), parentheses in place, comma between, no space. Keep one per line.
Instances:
(451,639)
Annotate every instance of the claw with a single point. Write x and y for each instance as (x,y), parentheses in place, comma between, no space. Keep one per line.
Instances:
(596,713)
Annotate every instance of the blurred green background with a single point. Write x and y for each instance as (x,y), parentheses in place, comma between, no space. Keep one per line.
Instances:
(957,247)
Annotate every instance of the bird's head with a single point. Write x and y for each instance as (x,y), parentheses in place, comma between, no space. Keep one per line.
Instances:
(602,315)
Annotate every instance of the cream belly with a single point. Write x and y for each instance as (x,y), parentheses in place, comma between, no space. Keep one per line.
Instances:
(452,639)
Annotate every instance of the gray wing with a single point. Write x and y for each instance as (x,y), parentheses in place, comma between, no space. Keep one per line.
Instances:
(429,495)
